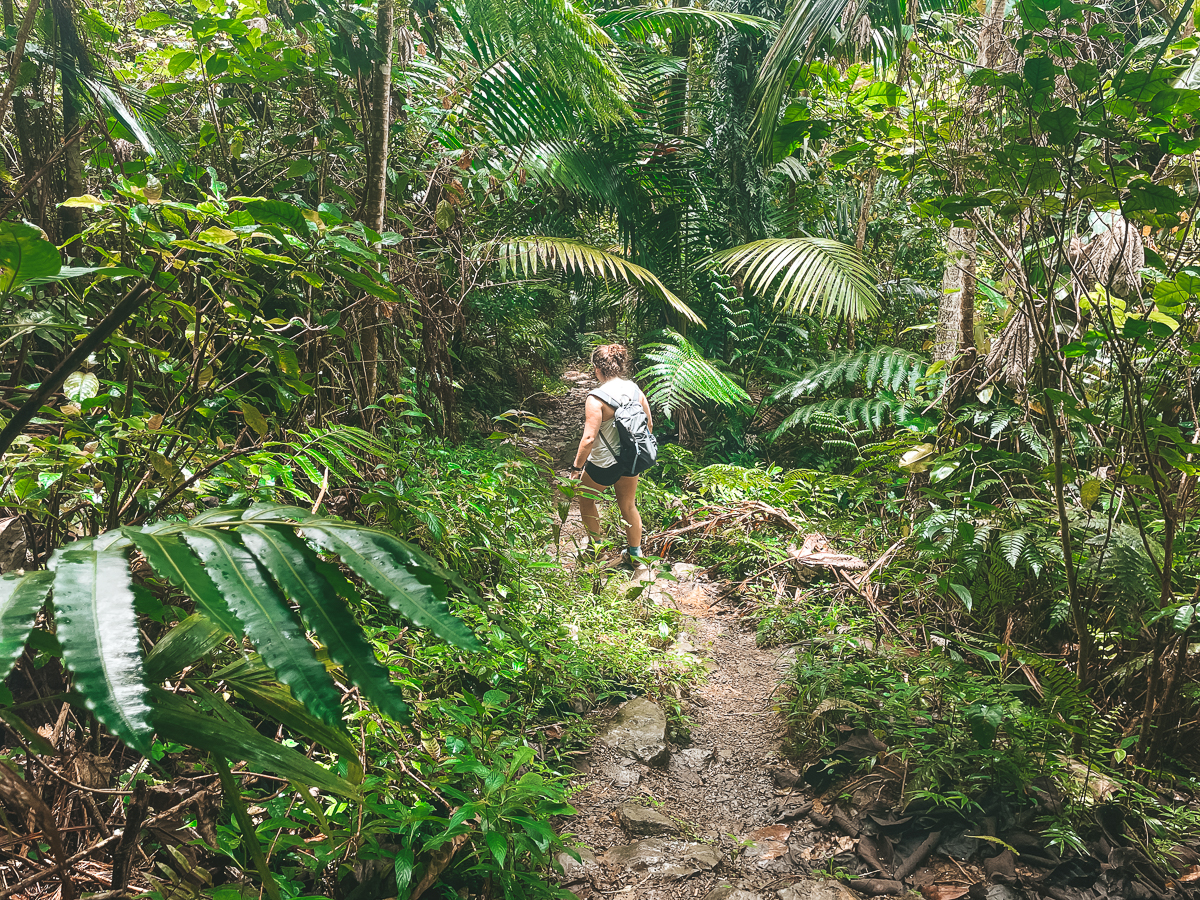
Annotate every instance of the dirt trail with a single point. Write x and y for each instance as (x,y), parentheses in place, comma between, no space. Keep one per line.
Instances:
(711,788)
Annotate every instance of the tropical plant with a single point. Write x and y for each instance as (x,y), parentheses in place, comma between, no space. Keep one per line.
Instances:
(524,256)
(679,374)
(825,277)
(241,567)
(894,373)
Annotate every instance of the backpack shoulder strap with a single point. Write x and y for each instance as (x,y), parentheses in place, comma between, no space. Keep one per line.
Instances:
(604,397)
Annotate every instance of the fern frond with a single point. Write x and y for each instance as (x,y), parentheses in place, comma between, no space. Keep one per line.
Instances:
(679,374)
(641,22)
(880,367)
(872,413)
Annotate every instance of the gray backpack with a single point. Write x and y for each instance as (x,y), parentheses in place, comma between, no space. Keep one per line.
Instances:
(639,447)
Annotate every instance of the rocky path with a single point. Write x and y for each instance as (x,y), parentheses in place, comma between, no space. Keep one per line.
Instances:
(691,811)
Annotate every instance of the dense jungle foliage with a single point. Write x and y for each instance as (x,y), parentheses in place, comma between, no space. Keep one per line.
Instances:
(288,286)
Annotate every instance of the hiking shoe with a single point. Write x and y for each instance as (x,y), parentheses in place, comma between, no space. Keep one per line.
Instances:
(632,563)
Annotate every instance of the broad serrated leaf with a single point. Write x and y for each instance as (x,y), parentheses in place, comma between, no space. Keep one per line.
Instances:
(187,642)
(257,601)
(412,582)
(21,596)
(97,627)
(293,566)
(211,724)
(173,560)
(251,680)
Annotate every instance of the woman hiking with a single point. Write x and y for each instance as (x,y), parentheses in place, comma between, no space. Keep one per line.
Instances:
(596,459)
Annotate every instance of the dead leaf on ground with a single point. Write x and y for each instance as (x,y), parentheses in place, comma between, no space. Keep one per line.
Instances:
(943,891)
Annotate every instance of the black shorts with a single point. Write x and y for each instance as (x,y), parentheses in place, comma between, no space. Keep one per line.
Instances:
(605,477)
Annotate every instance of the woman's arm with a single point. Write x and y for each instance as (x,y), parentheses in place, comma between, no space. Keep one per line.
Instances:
(646,408)
(593,415)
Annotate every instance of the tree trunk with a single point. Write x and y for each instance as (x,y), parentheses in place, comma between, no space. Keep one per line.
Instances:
(956,311)
(74,57)
(375,207)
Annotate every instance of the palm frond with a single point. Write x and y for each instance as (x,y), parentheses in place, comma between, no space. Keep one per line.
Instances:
(639,23)
(805,274)
(560,41)
(808,22)
(525,255)
(679,374)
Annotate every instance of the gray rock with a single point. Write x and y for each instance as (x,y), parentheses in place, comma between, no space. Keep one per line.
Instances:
(577,870)
(636,820)
(622,773)
(817,889)
(656,856)
(729,892)
(639,728)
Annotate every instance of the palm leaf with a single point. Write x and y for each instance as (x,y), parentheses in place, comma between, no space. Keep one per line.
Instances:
(679,374)
(293,566)
(805,274)
(209,723)
(525,255)
(808,22)
(642,22)
(412,582)
(260,605)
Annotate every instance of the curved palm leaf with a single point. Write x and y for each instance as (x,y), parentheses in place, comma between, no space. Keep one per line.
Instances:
(679,374)
(525,255)
(639,23)
(827,277)
(808,23)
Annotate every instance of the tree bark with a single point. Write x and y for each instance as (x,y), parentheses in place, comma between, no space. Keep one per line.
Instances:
(375,207)
(956,311)
(72,54)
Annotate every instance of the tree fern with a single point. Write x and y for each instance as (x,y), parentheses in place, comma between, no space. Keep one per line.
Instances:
(679,375)
(872,413)
(879,367)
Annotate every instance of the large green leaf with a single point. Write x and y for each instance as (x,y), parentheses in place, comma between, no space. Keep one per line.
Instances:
(805,274)
(293,566)
(193,638)
(276,212)
(253,681)
(21,596)
(211,724)
(410,580)
(170,557)
(269,621)
(97,627)
(25,254)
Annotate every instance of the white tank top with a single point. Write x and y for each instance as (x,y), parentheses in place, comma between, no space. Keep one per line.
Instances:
(601,456)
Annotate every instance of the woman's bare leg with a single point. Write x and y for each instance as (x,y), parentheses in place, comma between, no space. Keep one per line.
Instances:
(626,500)
(589,492)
